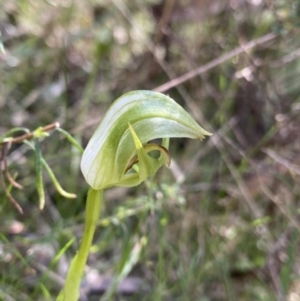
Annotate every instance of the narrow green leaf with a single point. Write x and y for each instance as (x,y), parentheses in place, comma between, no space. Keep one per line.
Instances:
(55,182)
(71,139)
(51,174)
(15,130)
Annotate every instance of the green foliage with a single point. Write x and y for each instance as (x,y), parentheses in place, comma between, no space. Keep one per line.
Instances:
(222,223)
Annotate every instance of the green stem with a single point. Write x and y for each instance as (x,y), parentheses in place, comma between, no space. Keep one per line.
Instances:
(70,292)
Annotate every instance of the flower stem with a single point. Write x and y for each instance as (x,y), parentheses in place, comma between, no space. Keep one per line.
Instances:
(70,291)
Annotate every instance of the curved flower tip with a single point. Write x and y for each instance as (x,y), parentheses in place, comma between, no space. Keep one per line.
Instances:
(121,139)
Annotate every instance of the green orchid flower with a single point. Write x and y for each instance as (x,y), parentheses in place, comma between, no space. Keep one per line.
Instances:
(121,139)
(119,154)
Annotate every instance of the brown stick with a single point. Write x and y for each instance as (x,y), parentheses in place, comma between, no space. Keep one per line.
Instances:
(28,136)
(214,63)
(3,161)
(2,182)
(10,178)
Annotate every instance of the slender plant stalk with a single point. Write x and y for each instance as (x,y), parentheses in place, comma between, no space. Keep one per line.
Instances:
(70,292)
(118,143)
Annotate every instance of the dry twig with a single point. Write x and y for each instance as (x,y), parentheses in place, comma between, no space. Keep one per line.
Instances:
(5,146)
(214,63)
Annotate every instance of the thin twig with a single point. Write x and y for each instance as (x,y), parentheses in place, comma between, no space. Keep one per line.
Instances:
(256,212)
(28,136)
(3,154)
(216,62)
(286,163)
(3,167)
(163,21)
(50,274)
(286,59)
(5,145)
(7,193)
(10,178)
(221,132)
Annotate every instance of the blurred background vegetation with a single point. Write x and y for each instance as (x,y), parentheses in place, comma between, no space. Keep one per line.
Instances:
(223,222)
